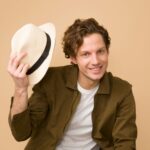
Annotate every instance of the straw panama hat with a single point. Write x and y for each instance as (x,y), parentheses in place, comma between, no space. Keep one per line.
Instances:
(38,42)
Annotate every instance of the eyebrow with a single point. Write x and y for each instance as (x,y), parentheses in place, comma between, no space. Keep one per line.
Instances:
(86,51)
(102,48)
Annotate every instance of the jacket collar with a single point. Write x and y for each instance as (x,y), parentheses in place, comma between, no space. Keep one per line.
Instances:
(72,77)
(104,84)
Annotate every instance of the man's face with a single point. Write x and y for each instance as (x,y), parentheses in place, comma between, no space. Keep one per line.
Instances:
(92,60)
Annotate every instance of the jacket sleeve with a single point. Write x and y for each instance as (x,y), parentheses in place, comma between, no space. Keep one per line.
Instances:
(125,130)
(25,122)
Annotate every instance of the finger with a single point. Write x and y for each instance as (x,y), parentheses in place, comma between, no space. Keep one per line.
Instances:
(24,70)
(10,62)
(19,69)
(16,61)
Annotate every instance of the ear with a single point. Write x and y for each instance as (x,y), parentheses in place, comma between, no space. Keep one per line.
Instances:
(73,60)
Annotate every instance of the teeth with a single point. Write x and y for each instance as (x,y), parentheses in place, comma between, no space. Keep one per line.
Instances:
(96,68)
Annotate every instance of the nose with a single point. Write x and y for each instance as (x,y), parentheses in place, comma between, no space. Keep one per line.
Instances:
(95,59)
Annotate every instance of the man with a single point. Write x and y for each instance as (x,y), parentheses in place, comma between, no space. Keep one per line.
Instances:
(75,107)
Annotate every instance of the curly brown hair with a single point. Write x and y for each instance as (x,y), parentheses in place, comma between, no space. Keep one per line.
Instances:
(73,36)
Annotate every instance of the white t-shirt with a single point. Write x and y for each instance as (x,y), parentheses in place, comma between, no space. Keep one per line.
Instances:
(78,134)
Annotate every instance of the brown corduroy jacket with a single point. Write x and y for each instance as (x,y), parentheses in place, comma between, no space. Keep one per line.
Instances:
(54,100)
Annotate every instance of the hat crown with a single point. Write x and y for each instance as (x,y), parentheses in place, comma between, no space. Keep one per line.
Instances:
(30,39)
(33,40)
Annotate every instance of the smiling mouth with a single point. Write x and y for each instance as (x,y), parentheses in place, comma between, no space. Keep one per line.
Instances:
(96,69)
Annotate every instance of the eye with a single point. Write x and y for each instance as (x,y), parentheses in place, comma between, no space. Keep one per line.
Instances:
(102,51)
(85,54)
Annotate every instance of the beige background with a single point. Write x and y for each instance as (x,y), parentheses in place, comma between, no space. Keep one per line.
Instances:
(128,22)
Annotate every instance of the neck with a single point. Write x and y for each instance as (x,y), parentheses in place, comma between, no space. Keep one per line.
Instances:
(88,84)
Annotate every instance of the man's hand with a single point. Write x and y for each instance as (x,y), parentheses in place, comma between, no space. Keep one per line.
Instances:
(18,70)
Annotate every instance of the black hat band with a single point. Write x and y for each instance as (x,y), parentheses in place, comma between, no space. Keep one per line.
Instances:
(44,55)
